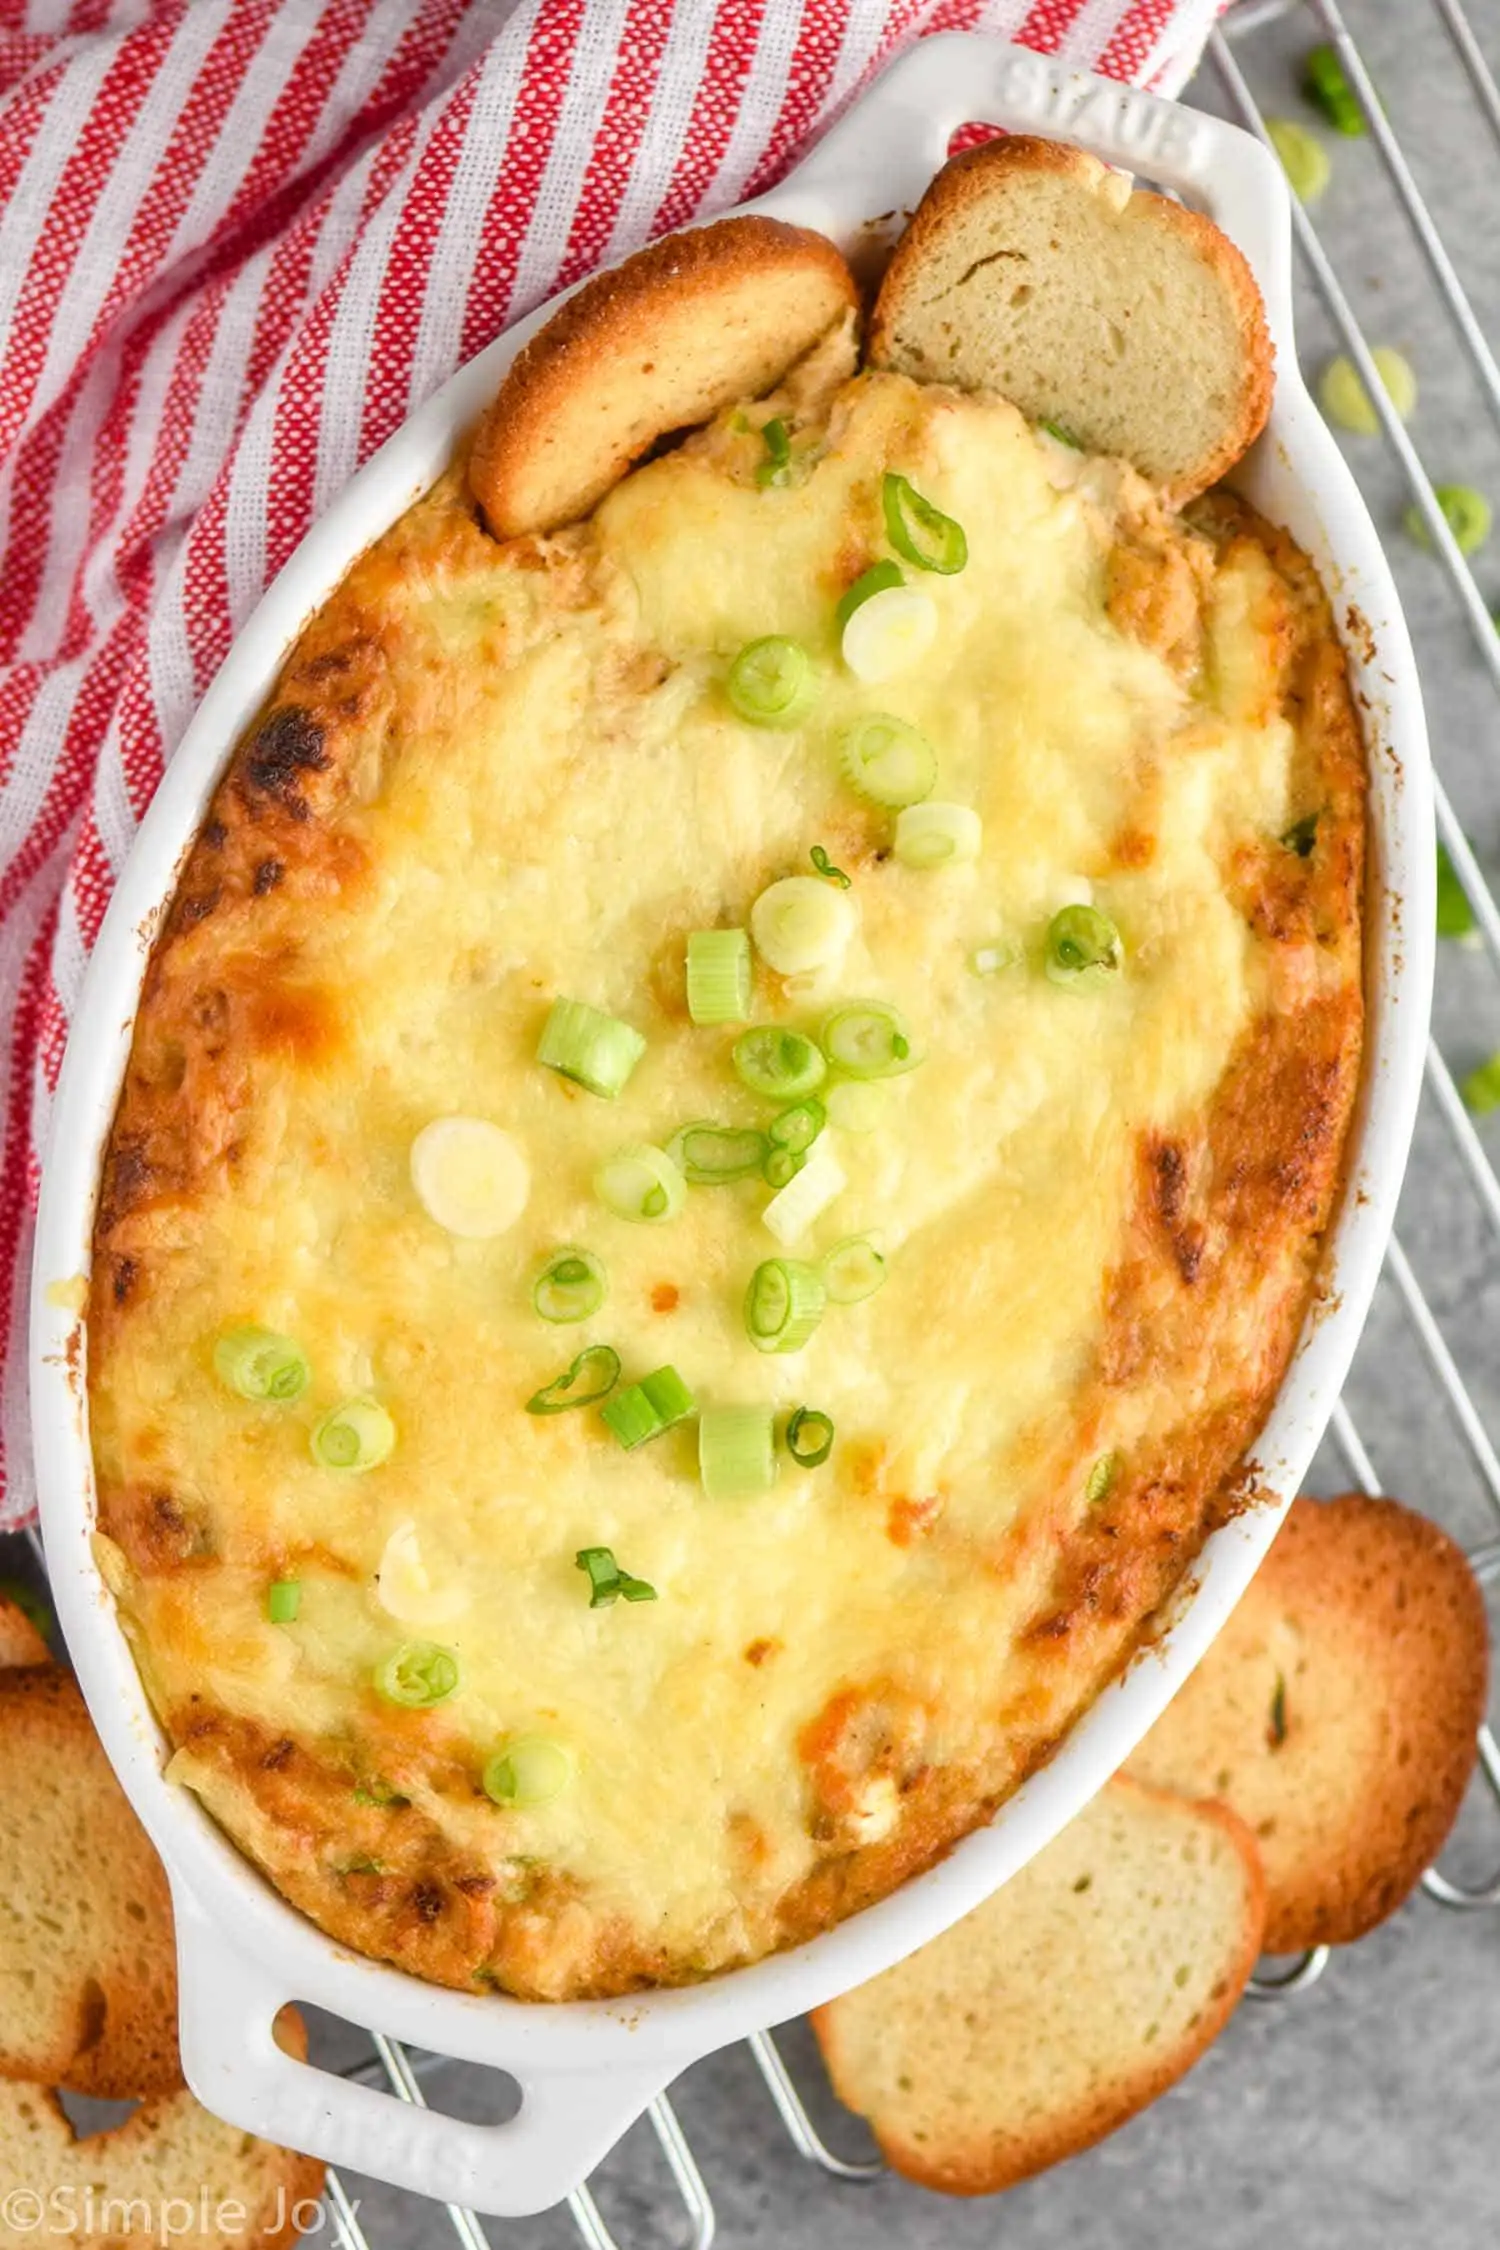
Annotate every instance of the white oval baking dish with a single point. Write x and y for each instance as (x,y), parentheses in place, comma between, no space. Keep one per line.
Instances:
(588,2069)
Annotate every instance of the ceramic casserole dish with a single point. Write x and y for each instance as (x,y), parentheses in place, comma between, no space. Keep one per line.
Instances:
(586,2069)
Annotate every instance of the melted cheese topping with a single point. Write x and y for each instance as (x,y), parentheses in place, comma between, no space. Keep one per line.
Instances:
(553,819)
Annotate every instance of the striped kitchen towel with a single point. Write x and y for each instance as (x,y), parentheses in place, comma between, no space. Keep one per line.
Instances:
(240,240)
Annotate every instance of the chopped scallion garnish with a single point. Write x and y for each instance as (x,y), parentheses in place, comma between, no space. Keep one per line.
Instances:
(920,532)
(776,469)
(1455,916)
(1466,512)
(1062,433)
(878,579)
(357,1435)
(283,1600)
(259,1364)
(531,1770)
(853,1270)
(933,835)
(596,1051)
(417,1675)
(889,633)
(708,1155)
(1481,1089)
(809,1437)
(571,1286)
(718,976)
(868,1039)
(782,1165)
(779,1064)
(1328,89)
(801,925)
(783,1305)
(641,1183)
(644,1409)
(772,682)
(592,1376)
(824,866)
(736,1451)
(1304,159)
(470,1176)
(1302,835)
(798,1127)
(806,1196)
(888,761)
(1346,402)
(607,1581)
(1083,948)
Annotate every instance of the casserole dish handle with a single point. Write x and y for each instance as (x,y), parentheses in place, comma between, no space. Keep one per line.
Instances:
(567,2123)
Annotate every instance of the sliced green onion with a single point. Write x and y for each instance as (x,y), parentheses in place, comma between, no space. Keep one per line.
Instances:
(782,1165)
(855,1107)
(1302,835)
(779,1064)
(989,960)
(934,835)
(259,1364)
(644,1409)
(1063,435)
(1101,1478)
(1481,1089)
(776,469)
(800,925)
(736,1451)
(888,761)
(868,1039)
(920,532)
(783,1305)
(1083,948)
(1455,916)
(531,1770)
(283,1600)
(357,1435)
(809,1437)
(718,976)
(824,866)
(805,1197)
(1328,89)
(470,1176)
(1304,159)
(592,1376)
(571,1286)
(641,1183)
(798,1127)
(607,1581)
(417,1675)
(1467,513)
(1346,402)
(852,1270)
(772,682)
(594,1050)
(708,1155)
(878,579)
(889,633)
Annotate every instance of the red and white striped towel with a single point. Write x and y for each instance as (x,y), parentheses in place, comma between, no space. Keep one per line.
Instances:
(240,240)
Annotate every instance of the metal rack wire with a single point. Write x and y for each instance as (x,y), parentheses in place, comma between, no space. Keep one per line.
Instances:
(404,2071)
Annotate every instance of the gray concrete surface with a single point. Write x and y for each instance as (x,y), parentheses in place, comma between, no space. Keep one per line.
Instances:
(1365,2114)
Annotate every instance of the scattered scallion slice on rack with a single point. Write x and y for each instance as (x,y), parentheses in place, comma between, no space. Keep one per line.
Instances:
(1481,1089)
(592,1376)
(571,1286)
(783,1304)
(1346,402)
(1083,948)
(1467,512)
(416,1675)
(736,1451)
(530,1770)
(357,1435)
(809,1437)
(718,976)
(801,924)
(260,1364)
(607,1581)
(869,1039)
(641,1183)
(772,682)
(888,761)
(709,1155)
(1304,159)
(644,1409)
(889,634)
(935,835)
(855,1106)
(283,1600)
(1455,916)
(596,1051)
(471,1177)
(804,1199)
(878,579)
(779,1064)
(919,531)
(852,1270)
(1327,87)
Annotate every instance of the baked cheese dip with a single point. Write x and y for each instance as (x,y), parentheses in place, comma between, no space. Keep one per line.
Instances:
(728,1138)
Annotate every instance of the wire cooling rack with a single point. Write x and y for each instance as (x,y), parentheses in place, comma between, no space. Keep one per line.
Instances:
(1446,1126)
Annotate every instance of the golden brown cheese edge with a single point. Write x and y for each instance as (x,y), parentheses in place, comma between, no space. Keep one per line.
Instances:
(1228,1224)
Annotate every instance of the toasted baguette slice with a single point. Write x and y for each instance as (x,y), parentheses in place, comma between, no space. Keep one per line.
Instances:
(1032,270)
(1063,2005)
(20,1642)
(664,341)
(1336,1713)
(88,1981)
(204,2182)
